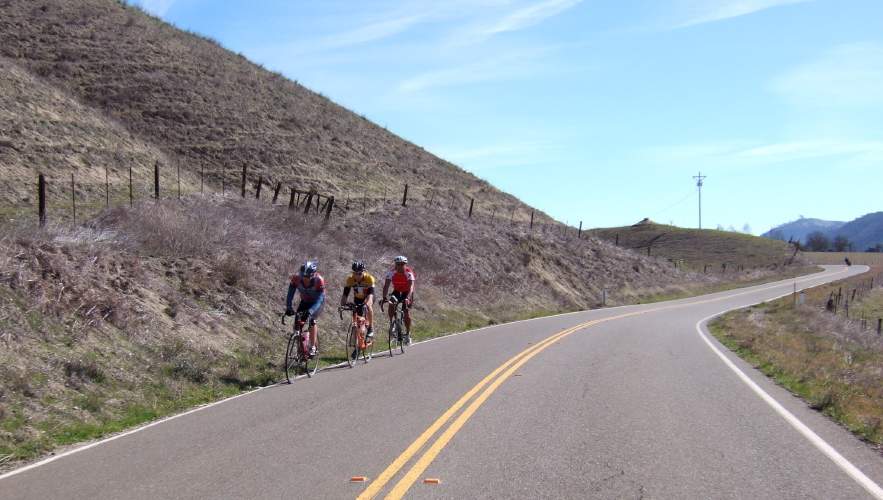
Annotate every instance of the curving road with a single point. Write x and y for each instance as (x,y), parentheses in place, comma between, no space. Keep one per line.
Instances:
(629,402)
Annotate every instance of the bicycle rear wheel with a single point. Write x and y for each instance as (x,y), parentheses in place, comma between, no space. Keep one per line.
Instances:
(312,364)
(292,357)
(393,338)
(352,346)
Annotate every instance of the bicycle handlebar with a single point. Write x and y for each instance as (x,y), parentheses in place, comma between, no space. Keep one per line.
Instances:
(349,306)
(303,314)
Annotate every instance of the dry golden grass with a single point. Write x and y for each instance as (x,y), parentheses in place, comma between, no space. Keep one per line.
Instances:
(862,258)
(832,356)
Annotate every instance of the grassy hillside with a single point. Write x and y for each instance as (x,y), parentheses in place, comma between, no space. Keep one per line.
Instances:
(196,106)
(703,250)
(829,355)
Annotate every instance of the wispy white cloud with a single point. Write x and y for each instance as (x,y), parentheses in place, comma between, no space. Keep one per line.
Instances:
(458,22)
(517,63)
(530,15)
(390,26)
(737,155)
(847,76)
(704,11)
(157,7)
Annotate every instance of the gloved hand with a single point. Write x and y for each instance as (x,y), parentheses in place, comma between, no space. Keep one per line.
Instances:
(289,312)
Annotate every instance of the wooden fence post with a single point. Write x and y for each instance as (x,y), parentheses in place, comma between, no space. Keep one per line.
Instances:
(244,174)
(41,188)
(405,197)
(330,206)
(74,197)
(201,177)
(179,180)
(276,193)
(309,202)
(471,204)
(106,188)
(257,194)
(531,218)
(156,182)
(580,234)
(131,190)
(291,202)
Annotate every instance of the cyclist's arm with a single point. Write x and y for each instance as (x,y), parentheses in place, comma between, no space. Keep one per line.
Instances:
(369,296)
(290,297)
(386,287)
(319,301)
(410,289)
(346,293)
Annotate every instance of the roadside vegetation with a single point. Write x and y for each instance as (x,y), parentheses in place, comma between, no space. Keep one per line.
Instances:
(145,311)
(827,350)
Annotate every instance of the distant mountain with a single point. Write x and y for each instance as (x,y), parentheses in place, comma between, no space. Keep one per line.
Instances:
(863,233)
(797,230)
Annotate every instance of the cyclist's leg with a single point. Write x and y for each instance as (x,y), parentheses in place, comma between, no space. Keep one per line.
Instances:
(369,313)
(407,310)
(314,328)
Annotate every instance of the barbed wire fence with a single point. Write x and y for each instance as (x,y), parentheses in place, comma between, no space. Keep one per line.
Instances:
(73,201)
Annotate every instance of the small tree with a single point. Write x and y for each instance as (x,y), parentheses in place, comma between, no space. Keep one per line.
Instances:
(746,228)
(816,241)
(840,243)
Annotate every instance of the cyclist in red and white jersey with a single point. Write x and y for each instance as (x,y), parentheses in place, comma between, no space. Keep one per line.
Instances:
(402,280)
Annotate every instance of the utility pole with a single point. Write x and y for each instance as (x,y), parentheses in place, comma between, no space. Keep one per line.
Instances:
(699,185)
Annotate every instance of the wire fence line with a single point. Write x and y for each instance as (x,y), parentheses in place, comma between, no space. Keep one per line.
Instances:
(70,200)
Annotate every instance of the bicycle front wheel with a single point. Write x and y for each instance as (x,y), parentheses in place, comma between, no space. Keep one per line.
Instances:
(401,335)
(352,347)
(292,357)
(393,338)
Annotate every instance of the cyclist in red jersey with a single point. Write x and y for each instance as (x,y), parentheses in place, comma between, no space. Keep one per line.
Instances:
(402,280)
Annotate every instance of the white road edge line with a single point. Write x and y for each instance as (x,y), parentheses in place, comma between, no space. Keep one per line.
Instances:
(813,438)
(123,434)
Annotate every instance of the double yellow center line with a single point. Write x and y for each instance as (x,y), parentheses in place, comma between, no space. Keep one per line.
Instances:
(489,384)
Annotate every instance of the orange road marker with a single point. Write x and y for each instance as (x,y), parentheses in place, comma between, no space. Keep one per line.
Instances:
(429,480)
(358,479)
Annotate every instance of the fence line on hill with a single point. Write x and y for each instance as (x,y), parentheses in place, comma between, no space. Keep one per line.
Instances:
(306,200)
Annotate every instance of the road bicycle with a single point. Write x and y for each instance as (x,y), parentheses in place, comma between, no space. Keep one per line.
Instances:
(397,336)
(358,343)
(297,359)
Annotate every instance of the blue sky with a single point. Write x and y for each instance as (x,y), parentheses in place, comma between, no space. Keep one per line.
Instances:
(601,112)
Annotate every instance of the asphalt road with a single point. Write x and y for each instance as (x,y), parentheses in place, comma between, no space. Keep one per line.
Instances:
(626,403)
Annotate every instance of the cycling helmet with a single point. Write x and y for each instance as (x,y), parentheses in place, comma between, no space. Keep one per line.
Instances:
(400,258)
(308,268)
(358,266)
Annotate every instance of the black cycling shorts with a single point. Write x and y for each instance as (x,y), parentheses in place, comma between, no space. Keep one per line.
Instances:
(305,306)
(400,296)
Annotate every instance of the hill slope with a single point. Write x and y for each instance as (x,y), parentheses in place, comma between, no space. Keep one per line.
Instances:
(705,250)
(202,108)
(864,232)
(799,229)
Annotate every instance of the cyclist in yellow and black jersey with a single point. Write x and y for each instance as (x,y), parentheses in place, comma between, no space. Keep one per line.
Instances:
(362,285)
